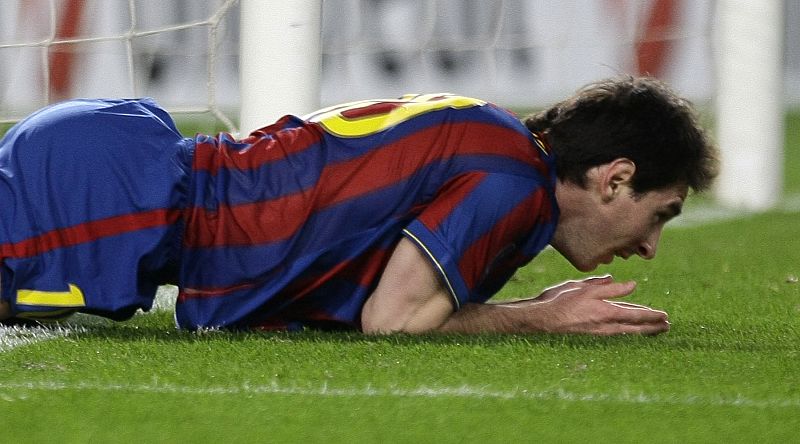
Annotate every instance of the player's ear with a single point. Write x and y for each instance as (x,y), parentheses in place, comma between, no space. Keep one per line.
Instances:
(614,176)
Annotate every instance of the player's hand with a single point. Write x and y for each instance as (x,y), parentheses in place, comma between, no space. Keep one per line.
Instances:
(584,307)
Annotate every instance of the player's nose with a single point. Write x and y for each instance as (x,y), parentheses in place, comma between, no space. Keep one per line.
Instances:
(647,248)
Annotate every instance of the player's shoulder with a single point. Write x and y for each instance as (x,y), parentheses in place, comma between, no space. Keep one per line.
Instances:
(364,117)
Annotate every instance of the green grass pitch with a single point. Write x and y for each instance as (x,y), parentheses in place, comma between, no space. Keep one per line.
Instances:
(729,371)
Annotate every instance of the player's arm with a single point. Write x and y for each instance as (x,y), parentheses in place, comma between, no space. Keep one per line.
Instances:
(411,298)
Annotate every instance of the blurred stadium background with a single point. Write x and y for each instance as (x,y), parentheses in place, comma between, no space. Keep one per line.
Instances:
(520,54)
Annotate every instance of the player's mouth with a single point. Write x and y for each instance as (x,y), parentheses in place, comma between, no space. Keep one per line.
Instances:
(610,257)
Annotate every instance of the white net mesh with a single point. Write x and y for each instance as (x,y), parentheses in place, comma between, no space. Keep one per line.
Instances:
(514,52)
(181,52)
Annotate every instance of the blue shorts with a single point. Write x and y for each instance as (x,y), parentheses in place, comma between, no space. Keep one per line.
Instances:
(91,200)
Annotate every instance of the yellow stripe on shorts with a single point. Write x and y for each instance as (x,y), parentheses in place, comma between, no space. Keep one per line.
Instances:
(71,298)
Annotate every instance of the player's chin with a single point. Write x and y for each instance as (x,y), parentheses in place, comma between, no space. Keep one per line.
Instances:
(591,264)
(587,262)
(587,266)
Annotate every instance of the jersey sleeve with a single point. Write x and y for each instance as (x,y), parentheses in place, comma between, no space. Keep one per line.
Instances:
(480,228)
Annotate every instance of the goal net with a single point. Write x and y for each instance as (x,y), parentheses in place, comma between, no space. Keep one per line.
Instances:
(182,52)
(185,53)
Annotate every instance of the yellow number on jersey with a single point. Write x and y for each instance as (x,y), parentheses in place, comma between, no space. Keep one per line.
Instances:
(362,118)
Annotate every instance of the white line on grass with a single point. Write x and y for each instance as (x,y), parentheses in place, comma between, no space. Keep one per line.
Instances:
(16,336)
(464,391)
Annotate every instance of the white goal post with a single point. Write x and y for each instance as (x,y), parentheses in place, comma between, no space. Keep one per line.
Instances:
(280,60)
(749,102)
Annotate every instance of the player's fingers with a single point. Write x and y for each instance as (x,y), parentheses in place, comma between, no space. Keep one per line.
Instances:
(609,290)
(561,287)
(629,305)
(624,304)
(579,283)
(597,280)
(651,328)
(641,329)
(591,280)
(623,328)
(637,314)
(601,288)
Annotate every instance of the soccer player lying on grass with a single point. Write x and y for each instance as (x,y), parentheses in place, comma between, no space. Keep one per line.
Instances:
(386,216)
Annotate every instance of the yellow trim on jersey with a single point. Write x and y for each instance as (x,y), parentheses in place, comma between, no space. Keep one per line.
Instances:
(438,265)
(71,298)
(540,144)
(408,106)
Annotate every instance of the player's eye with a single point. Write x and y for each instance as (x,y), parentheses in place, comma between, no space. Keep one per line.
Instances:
(661,217)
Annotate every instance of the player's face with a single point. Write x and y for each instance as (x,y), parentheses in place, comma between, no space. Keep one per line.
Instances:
(628,225)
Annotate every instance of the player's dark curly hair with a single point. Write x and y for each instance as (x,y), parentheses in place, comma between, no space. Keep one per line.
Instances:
(638,118)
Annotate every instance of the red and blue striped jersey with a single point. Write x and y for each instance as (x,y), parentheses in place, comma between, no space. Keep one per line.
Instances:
(293,225)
